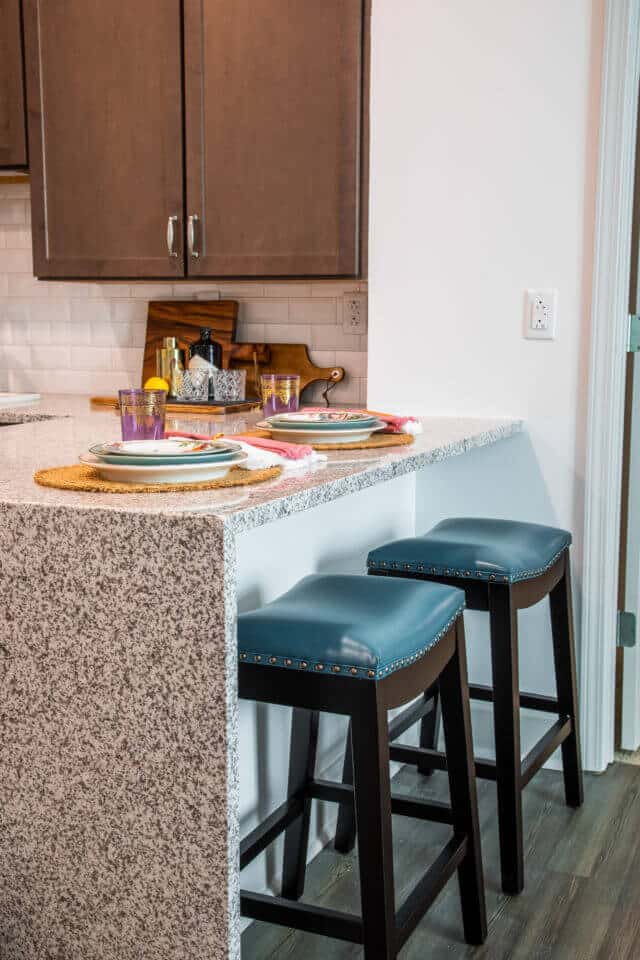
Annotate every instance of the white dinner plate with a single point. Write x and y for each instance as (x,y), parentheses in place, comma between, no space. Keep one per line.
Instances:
(164,473)
(307,435)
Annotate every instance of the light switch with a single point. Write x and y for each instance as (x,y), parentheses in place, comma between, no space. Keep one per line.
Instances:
(541,314)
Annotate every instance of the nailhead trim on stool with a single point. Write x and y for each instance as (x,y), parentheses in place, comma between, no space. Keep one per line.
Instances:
(473,574)
(346,670)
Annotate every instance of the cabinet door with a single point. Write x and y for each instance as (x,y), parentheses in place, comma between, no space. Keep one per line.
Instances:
(104,96)
(273,134)
(13,141)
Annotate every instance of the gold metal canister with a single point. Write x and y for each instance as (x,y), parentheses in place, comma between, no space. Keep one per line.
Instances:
(170,363)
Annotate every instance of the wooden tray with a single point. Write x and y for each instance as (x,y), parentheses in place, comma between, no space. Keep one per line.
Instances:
(180,407)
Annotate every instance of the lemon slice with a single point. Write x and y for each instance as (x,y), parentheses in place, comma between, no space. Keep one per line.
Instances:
(156,383)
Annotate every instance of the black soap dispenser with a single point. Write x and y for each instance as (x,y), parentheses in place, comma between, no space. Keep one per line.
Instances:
(206,353)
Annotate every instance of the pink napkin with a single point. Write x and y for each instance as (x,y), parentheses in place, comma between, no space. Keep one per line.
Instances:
(290,451)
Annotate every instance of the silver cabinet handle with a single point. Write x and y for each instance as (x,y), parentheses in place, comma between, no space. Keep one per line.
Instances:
(191,235)
(171,236)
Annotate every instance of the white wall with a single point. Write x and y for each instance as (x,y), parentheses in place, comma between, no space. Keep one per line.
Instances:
(484,151)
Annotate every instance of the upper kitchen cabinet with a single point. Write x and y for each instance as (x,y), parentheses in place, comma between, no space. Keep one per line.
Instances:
(104,95)
(13,140)
(266,101)
(273,137)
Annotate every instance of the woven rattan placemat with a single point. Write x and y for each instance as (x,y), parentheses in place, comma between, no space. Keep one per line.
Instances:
(374,441)
(80,477)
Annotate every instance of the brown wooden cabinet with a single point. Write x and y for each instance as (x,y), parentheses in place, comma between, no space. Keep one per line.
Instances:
(13,140)
(264,99)
(104,92)
(273,98)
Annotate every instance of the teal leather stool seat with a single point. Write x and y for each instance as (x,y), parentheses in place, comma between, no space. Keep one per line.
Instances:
(495,550)
(349,625)
(360,647)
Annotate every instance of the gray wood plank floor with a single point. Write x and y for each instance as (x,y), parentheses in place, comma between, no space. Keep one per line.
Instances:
(582,894)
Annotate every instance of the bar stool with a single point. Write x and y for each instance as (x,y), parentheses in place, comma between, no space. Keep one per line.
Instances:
(352,646)
(503,566)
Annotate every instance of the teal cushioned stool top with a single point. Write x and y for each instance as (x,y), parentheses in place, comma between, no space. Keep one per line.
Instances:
(346,625)
(500,550)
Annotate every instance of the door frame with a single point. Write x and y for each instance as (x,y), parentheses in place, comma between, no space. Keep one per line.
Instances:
(609,332)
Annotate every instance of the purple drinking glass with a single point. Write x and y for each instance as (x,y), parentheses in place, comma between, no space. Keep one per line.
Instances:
(142,414)
(280,393)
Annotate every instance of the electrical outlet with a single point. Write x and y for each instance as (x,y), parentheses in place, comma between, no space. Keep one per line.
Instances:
(354,313)
(541,313)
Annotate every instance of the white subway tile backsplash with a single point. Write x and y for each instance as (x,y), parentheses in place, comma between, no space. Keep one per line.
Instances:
(129,311)
(13,212)
(152,291)
(250,332)
(127,358)
(323,358)
(285,291)
(14,356)
(312,311)
(287,333)
(324,336)
(263,311)
(109,291)
(353,361)
(195,291)
(16,238)
(111,334)
(58,337)
(16,261)
(25,285)
(239,291)
(50,357)
(98,312)
(90,358)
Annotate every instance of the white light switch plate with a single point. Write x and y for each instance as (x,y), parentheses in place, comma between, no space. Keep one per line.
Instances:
(541,314)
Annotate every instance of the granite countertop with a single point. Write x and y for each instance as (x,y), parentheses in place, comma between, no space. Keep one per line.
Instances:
(57,430)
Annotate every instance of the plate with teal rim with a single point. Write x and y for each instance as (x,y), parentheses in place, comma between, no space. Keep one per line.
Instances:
(218,453)
(168,447)
(291,434)
(340,420)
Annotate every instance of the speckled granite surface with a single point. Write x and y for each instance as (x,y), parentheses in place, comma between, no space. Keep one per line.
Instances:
(118,779)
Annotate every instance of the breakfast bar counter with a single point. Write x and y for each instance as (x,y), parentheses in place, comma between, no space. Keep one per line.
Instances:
(120,783)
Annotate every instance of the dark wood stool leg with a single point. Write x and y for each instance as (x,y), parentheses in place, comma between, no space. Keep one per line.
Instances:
(429,729)
(345,838)
(302,763)
(456,715)
(565,664)
(370,737)
(506,713)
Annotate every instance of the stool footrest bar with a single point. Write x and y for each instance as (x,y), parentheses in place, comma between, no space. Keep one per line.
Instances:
(267,831)
(530,701)
(301,916)
(420,899)
(431,810)
(401,753)
(412,715)
(543,749)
